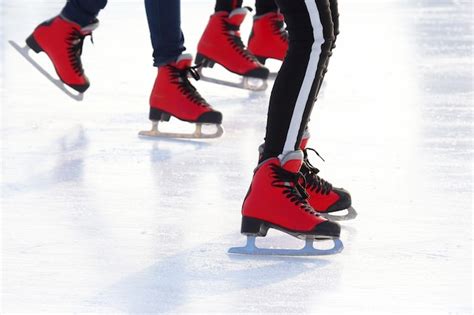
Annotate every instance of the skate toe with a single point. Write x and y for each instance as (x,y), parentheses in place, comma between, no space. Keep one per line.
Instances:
(343,202)
(81,88)
(260,73)
(211,117)
(327,229)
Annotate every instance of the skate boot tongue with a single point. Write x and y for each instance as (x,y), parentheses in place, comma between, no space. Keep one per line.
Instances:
(292,161)
(184,61)
(237,16)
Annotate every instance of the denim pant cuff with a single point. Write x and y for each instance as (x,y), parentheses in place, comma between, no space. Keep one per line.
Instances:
(76,15)
(164,59)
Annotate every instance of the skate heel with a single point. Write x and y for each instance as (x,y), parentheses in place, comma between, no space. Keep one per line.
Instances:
(203,61)
(158,115)
(33,44)
(252,226)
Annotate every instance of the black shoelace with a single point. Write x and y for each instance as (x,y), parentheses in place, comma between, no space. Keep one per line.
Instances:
(76,41)
(314,182)
(236,42)
(279,29)
(290,182)
(181,78)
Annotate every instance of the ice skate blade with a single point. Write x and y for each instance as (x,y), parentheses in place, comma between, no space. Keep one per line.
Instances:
(197,134)
(247,83)
(350,215)
(24,52)
(308,250)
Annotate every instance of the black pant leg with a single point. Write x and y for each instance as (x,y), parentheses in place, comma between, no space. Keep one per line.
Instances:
(311,36)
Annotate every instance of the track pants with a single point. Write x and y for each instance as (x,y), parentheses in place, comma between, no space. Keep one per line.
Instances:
(164,21)
(312,26)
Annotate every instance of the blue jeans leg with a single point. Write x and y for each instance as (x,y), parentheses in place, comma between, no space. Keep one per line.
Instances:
(164,21)
(83,12)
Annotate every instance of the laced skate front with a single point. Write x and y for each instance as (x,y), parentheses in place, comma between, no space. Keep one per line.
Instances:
(290,182)
(314,182)
(279,29)
(180,77)
(236,42)
(75,42)
(292,189)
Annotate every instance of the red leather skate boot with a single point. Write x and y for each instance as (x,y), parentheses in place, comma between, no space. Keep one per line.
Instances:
(322,196)
(62,41)
(221,43)
(268,38)
(276,200)
(174,95)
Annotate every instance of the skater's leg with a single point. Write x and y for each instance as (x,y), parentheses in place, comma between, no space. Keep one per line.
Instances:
(311,32)
(164,21)
(173,94)
(275,197)
(221,43)
(265,6)
(335,20)
(62,37)
(227,5)
(296,88)
(83,12)
(269,38)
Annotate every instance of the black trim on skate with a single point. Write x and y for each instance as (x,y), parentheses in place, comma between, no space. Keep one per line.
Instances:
(203,61)
(158,115)
(57,82)
(257,227)
(206,62)
(344,201)
(328,228)
(262,60)
(252,226)
(259,73)
(80,88)
(33,44)
(213,117)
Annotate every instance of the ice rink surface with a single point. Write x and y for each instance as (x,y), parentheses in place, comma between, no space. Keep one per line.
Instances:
(95,219)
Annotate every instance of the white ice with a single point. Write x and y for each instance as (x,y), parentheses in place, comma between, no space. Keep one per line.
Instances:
(96,219)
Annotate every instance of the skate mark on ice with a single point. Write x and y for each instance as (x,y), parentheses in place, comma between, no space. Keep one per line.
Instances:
(69,153)
(58,83)
(202,272)
(179,149)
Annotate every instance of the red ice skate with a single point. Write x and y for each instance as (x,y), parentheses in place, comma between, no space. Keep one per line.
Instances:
(221,43)
(269,38)
(173,95)
(323,197)
(62,41)
(276,200)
